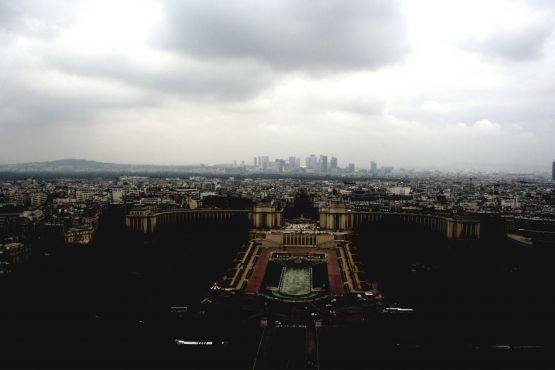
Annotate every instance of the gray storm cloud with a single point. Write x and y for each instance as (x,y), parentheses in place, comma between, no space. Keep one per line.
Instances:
(299,35)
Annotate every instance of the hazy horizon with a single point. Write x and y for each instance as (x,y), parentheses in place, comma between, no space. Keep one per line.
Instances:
(456,168)
(425,85)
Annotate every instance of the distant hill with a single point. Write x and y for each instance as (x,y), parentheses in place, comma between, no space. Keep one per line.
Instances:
(82,165)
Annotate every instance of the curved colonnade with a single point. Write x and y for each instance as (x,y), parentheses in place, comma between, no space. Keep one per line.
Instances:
(146,221)
(342,219)
(331,218)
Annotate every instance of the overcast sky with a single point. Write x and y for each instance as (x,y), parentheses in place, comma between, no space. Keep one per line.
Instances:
(415,84)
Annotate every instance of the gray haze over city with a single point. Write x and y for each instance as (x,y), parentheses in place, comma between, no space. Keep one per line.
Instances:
(426,84)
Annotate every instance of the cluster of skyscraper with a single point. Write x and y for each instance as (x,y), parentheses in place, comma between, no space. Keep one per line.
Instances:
(312,163)
(278,165)
(320,164)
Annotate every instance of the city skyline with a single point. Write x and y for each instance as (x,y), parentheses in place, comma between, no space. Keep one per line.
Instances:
(335,164)
(415,85)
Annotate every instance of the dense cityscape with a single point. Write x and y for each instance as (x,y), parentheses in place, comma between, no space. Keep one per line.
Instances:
(59,220)
(70,207)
